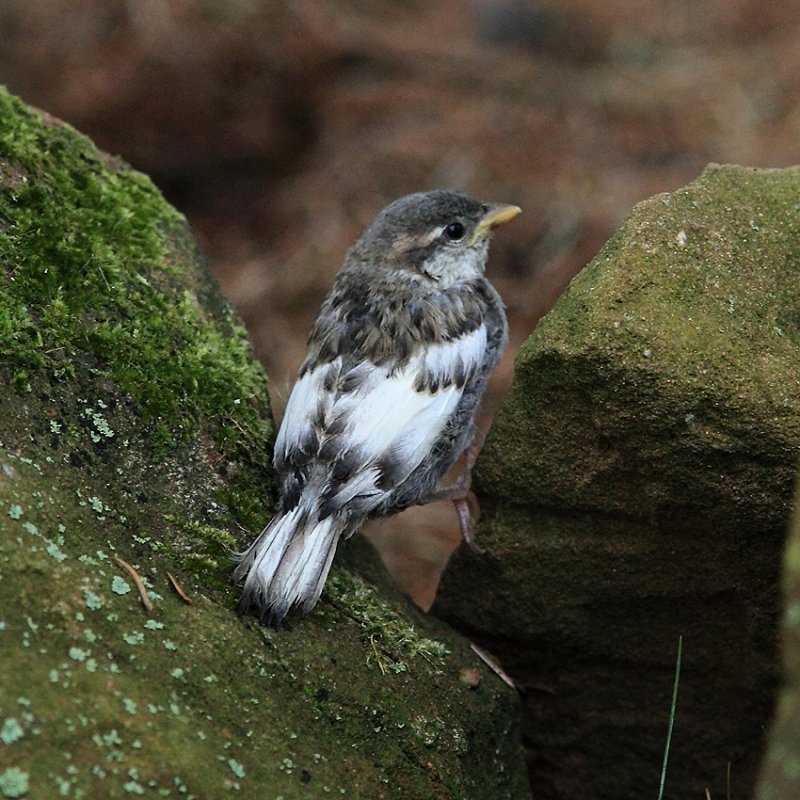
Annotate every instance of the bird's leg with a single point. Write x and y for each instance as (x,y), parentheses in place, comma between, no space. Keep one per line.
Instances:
(464,500)
(468,512)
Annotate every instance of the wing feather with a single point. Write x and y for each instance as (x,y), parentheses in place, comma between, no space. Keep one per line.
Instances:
(369,413)
(303,401)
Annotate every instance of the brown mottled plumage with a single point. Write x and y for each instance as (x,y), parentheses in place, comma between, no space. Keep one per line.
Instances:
(384,404)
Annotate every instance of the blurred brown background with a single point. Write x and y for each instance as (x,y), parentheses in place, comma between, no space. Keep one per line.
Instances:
(280,129)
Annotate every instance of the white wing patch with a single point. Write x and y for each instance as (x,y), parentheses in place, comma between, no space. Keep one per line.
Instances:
(301,404)
(394,418)
(385,413)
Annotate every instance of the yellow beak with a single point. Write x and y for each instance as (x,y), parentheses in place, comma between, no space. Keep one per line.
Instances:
(497,214)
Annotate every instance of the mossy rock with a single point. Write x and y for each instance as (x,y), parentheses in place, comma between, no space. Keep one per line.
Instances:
(636,486)
(134,428)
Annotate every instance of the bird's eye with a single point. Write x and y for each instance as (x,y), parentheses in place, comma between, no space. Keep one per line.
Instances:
(454,231)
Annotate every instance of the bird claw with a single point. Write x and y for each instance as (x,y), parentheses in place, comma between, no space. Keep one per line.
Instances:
(464,500)
(468,513)
(466,506)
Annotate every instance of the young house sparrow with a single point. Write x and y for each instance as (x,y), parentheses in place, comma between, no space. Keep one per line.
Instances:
(385,401)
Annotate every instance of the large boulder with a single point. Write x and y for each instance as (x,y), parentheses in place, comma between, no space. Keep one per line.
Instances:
(636,487)
(134,429)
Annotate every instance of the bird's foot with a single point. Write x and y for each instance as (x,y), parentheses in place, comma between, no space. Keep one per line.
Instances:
(468,512)
(464,501)
(466,506)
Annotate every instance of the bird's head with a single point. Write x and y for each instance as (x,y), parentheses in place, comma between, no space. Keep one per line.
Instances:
(441,237)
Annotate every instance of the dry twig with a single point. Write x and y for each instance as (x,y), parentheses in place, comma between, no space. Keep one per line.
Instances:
(137,579)
(493,665)
(179,589)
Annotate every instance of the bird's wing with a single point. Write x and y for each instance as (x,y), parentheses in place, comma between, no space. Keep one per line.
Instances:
(365,421)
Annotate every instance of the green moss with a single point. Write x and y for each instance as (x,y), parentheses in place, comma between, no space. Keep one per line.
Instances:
(103,309)
(91,261)
(673,354)
(192,699)
(210,555)
(696,277)
(392,641)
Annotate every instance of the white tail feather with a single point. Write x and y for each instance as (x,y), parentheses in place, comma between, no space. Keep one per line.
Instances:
(288,563)
(305,565)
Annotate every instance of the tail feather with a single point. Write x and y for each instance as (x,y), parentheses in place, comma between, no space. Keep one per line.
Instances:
(288,564)
(264,557)
(305,565)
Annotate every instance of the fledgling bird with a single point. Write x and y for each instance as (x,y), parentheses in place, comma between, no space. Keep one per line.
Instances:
(385,401)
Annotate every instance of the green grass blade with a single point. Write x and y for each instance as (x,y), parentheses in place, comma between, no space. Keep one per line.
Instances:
(671,717)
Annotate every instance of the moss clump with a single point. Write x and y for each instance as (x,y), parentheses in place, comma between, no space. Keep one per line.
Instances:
(92,263)
(393,642)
